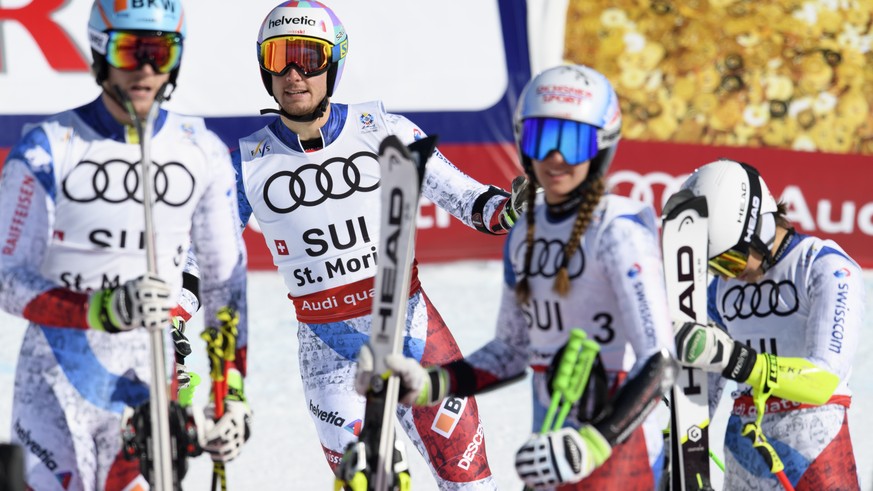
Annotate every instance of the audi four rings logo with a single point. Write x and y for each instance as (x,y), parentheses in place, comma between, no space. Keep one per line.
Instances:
(312,184)
(643,186)
(117,181)
(547,258)
(760,300)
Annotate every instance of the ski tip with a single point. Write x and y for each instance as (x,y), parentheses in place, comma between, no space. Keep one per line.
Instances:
(683,200)
(417,152)
(391,141)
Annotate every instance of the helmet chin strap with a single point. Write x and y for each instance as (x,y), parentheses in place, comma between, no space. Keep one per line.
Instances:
(574,198)
(306,118)
(115,94)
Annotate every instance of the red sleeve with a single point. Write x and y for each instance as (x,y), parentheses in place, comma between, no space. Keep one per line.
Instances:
(59,307)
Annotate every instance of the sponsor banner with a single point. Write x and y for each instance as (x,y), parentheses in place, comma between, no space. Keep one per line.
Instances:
(826,194)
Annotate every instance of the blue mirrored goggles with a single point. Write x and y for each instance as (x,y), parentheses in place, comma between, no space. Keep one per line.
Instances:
(576,141)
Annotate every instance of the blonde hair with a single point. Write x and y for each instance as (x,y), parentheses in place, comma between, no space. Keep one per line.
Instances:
(583,219)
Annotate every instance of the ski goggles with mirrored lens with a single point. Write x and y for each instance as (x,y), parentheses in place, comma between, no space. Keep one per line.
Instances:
(576,141)
(131,50)
(311,55)
(729,264)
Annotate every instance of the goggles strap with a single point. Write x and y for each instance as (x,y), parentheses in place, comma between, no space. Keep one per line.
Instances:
(754,195)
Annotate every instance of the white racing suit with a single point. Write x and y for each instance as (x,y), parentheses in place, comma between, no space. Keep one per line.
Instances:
(72,221)
(320,215)
(616,296)
(810,305)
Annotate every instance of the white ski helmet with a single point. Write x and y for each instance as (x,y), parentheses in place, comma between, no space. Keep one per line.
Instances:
(306,19)
(572,109)
(742,212)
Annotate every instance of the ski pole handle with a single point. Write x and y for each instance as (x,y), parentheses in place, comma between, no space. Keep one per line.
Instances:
(579,379)
(571,378)
(753,432)
(221,348)
(218,373)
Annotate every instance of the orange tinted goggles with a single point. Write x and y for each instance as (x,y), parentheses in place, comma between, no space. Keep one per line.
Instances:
(130,51)
(729,264)
(310,55)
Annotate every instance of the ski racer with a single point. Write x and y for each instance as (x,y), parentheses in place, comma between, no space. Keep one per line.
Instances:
(311,179)
(787,310)
(578,258)
(73,261)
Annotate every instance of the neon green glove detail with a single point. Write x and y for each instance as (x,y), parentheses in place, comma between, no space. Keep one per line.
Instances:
(598,446)
(794,379)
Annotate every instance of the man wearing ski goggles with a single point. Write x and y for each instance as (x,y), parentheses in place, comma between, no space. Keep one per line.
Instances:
(132,50)
(310,55)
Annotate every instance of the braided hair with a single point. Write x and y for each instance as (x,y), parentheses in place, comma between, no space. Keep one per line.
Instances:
(592,194)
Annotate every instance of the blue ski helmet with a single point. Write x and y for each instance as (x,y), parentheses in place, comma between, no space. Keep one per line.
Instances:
(165,16)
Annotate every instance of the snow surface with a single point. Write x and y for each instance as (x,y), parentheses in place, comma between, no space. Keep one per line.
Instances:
(284,452)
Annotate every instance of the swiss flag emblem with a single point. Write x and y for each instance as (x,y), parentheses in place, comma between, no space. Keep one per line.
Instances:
(281,248)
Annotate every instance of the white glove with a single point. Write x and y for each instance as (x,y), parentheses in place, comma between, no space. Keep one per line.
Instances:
(713,350)
(225,438)
(561,457)
(419,386)
(141,302)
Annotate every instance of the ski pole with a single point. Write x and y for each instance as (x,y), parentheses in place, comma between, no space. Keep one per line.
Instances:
(221,349)
(158,398)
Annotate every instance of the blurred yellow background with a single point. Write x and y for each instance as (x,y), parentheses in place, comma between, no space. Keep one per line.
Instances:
(784,74)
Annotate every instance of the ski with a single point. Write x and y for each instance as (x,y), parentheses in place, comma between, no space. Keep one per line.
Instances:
(161,475)
(371,463)
(685,244)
